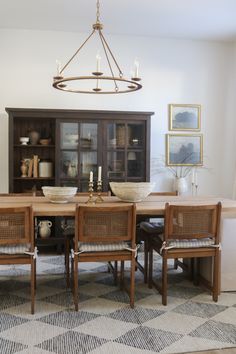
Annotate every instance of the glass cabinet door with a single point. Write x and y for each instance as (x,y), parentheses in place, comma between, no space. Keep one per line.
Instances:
(116,136)
(88,136)
(88,162)
(69,135)
(125,151)
(115,164)
(135,162)
(78,153)
(136,134)
(69,164)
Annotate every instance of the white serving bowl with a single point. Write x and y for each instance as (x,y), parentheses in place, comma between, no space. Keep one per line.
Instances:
(59,194)
(24,140)
(132,191)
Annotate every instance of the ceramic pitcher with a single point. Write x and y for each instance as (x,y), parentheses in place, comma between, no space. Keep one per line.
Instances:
(45,228)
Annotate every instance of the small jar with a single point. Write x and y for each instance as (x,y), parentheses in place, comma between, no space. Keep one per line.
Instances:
(45,168)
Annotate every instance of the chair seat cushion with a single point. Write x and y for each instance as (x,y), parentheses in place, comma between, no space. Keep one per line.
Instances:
(193,243)
(102,247)
(152,228)
(15,249)
(157,242)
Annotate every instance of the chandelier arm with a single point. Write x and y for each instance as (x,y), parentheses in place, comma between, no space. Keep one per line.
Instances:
(119,69)
(105,51)
(70,60)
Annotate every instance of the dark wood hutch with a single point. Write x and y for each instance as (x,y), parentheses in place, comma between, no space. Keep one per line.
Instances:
(77,142)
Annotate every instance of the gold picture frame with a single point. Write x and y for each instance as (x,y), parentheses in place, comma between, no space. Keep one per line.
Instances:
(184,117)
(184,149)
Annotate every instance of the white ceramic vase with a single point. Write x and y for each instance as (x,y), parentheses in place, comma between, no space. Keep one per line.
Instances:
(45,228)
(181,185)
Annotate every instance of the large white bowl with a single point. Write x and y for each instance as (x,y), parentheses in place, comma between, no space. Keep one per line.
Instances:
(59,194)
(132,191)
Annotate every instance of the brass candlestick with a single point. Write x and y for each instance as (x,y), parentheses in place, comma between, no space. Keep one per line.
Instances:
(99,198)
(193,187)
(90,199)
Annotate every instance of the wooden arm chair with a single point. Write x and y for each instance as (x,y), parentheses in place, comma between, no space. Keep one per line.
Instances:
(105,234)
(17,240)
(146,228)
(189,232)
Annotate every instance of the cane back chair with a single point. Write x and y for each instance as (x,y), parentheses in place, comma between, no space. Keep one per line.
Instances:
(17,240)
(189,232)
(105,234)
(68,228)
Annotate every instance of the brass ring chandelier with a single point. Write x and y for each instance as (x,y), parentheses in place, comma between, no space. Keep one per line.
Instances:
(120,84)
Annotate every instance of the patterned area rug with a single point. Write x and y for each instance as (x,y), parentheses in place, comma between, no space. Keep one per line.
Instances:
(105,324)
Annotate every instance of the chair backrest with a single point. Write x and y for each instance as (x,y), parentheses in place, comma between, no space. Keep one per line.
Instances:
(105,224)
(165,193)
(16,226)
(192,222)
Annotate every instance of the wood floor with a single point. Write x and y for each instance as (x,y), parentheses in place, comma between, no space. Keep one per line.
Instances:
(218,351)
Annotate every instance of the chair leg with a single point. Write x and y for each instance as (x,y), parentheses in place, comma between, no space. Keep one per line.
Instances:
(176,263)
(67,261)
(35,274)
(164,279)
(146,250)
(33,277)
(122,266)
(150,267)
(75,271)
(195,272)
(132,281)
(115,271)
(216,265)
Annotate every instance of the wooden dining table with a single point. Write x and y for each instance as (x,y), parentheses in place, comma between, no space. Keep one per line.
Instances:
(153,206)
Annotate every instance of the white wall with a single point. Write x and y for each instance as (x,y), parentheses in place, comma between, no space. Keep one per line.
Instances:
(228,142)
(173,71)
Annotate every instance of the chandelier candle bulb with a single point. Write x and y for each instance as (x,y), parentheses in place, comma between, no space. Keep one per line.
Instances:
(136,67)
(98,59)
(99,173)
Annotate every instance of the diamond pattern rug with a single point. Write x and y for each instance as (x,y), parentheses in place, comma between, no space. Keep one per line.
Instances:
(105,324)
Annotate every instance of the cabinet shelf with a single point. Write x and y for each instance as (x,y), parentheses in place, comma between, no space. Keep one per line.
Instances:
(33,146)
(34,178)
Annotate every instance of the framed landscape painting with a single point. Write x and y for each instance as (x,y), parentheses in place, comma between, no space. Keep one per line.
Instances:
(184,150)
(184,117)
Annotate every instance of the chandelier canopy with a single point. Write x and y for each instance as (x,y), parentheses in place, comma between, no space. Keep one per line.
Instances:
(98,82)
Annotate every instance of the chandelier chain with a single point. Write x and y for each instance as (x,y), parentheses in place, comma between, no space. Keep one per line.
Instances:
(98,11)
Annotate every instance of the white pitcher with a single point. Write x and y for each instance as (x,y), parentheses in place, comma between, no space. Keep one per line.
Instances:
(45,228)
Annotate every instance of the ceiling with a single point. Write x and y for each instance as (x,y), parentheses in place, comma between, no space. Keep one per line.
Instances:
(190,19)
